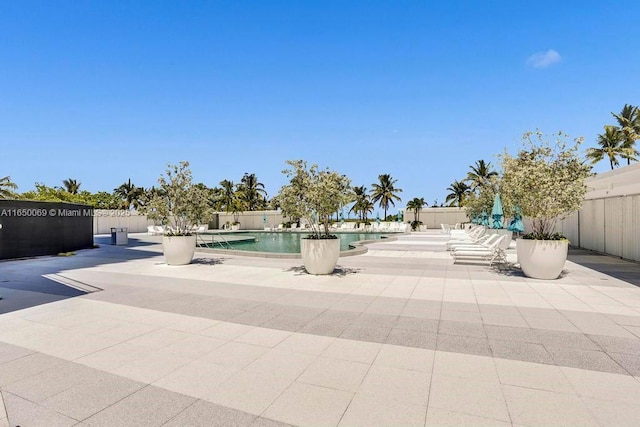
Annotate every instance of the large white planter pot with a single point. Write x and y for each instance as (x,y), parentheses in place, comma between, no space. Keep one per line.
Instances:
(178,250)
(320,256)
(504,245)
(235,227)
(542,259)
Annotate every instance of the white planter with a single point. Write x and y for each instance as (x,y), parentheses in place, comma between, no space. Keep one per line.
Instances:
(178,250)
(320,256)
(542,259)
(504,245)
(235,227)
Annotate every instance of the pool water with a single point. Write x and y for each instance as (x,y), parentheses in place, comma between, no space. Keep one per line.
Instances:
(280,242)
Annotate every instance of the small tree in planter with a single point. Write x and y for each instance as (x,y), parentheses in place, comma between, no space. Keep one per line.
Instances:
(547,181)
(315,194)
(180,205)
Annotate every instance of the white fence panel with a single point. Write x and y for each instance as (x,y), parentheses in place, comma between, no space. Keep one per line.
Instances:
(592,225)
(613,225)
(631,231)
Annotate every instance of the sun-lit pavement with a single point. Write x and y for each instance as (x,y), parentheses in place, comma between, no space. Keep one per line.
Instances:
(399,336)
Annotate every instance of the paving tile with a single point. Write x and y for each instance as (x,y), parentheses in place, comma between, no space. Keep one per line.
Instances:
(480,398)
(533,375)
(280,364)
(415,359)
(115,356)
(509,333)
(193,347)
(51,381)
(609,413)
(367,410)
(17,369)
(159,338)
(197,379)
(304,404)
(559,409)
(461,329)
(412,338)
(335,373)
(151,367)
(417,324)
(192,324)
(584,359)
(630,363)
(255,318)
(444,417)
(324,327)
(154,405)
(263,337)
(225,330)
(87,398)
(462,344)
(401,385)
(248,392)
(465,366)
(366,333)
(603,385)
(501,320)
(617,344)
(286,322)
(355,351)
(305,343)
(234,354)
(206,414)
(461,316)
(524,351)
(267,422)
(21,412)
(565,339)
(10,352)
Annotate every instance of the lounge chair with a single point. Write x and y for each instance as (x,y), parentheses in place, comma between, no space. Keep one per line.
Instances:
(491,253)
(482,242)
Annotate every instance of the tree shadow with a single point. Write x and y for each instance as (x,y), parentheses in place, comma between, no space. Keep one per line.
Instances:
(208,261)
(338,271)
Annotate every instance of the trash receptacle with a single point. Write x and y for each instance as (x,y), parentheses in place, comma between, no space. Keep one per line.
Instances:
(119,236)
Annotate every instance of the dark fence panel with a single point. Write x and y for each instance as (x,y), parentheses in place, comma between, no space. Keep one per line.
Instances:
(43,228)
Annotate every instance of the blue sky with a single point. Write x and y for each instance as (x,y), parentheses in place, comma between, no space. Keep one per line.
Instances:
(104,91)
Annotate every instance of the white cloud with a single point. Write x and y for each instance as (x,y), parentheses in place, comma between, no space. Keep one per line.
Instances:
(544,59)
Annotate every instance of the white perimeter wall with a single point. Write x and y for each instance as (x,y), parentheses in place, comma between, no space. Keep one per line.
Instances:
(105,219)
(609,221)
(433,217)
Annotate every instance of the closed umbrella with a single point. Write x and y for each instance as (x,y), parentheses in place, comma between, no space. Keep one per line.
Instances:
(516,223)
(484,219)
(400,216)
(496,212)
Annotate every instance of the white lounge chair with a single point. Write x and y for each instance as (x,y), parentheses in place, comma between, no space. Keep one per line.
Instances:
(482,242)
(491,253)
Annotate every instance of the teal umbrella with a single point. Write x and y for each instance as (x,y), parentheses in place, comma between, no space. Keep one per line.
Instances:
(496,212)
(378,217)
(400,216)
(516,223)
(484,219)
(264,218)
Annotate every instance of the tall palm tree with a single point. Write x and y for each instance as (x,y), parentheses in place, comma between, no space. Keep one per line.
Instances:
(362,204)
(384,192)
(459,191)
(416,205)
(6,187)
(71,185)
(480,174)
(228,196)
(629,123)
(130,195)
(611,146)
(251,192)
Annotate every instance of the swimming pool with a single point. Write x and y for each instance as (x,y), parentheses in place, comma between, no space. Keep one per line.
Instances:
(280,242)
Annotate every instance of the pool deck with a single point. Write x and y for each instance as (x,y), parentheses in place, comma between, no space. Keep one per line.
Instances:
(397,336)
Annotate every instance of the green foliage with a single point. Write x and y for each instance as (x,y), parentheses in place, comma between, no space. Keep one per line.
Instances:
(459,191)
(362,203)
(99,200)
(7,188)
(542,236)
(416,205)
(481,200)
(480,174)
(71,185)
(178,202)
(313,194)
(546,179)
(384,192)
(415,225)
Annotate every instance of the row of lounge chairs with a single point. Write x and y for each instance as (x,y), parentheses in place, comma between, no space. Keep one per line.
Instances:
(476,245)
(155,230)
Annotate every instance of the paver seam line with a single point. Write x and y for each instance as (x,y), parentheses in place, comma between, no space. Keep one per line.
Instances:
(118,401)
(36,404)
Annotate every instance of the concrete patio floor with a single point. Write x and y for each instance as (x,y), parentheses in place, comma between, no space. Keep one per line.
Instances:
(398,336)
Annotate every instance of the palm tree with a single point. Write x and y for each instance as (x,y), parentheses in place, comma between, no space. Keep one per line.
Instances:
(610,145)
(130,195)
(228,196)
(71,185)
(6,187)
(251,192)
(480,174)
(629,123)
(416,205)
(459,191)
(384,192)
(362,204)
